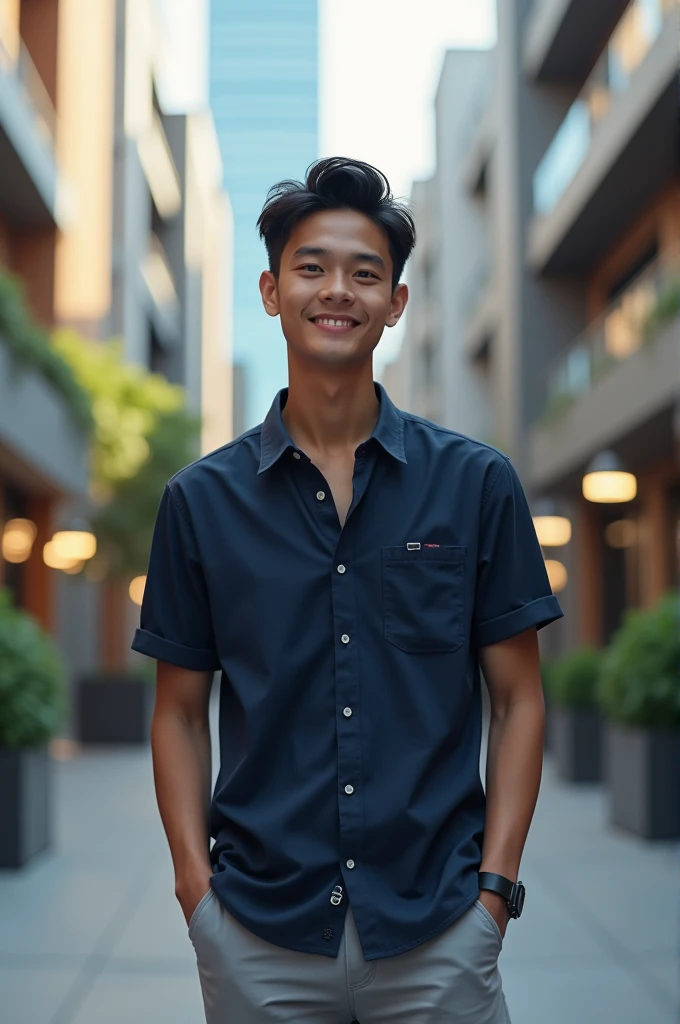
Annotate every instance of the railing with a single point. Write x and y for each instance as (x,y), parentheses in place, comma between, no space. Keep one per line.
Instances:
(630,322)
(631,41)
(31,86)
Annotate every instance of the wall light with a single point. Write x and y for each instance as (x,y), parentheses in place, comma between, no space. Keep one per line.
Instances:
(557,575)
(605,480)
(553,530)
(18,537)
(136,589)
(75,543)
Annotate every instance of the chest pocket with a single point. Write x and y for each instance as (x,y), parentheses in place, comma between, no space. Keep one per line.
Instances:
(424,598)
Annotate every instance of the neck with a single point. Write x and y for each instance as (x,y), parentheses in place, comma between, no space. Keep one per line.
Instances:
(331,410)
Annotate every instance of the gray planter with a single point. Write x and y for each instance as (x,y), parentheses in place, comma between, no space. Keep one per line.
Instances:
(25,805)
(643,778)
(576,743)
(114,709)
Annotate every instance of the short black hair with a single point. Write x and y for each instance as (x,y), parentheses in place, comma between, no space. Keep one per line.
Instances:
(336,183)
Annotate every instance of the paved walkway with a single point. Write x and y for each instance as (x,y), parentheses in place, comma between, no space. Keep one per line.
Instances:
(91,933)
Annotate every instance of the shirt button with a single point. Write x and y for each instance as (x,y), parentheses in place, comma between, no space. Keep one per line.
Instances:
(349,789)
(341,569)
(347,712)
(321,495)
(350,863)
(344,638)
(296,455)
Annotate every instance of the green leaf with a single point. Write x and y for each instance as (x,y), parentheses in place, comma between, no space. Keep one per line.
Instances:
(31,680)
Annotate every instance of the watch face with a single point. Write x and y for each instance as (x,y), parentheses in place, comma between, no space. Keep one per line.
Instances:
(519,898)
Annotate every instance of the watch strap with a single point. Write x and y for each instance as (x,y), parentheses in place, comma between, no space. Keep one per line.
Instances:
(496,883)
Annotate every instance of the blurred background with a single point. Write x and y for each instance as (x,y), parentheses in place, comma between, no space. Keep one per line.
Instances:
(538,142)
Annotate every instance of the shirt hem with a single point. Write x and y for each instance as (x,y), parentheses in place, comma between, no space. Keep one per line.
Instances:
(433,933)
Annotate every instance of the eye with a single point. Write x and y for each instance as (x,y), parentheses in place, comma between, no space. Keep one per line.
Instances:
(368,273)
(311,267)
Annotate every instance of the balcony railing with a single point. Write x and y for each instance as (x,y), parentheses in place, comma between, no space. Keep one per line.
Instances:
(628,46)
(630,322)
(32,88)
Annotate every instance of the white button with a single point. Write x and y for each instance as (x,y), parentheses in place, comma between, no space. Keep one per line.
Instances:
(344,638)
(341,569)
(347,712)
(349,790)
(321,495)
(350,863)
(296,455)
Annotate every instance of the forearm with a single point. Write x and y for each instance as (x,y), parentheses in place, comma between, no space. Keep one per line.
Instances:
(182,775)
(513,778)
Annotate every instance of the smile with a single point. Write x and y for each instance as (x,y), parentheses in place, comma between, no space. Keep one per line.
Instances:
(336,322)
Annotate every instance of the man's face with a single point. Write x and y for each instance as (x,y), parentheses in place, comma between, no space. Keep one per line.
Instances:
(334,289)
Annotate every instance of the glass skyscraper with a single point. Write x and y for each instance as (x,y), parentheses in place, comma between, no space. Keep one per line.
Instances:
(263,94)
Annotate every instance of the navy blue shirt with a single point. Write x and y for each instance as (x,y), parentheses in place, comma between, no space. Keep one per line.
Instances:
(350,707)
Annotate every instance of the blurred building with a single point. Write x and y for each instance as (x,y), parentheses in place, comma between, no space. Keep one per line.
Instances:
(43,451)
(114,215)
(570,186)
(263,94)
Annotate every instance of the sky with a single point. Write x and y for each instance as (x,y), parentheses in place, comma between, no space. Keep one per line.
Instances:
(379,63)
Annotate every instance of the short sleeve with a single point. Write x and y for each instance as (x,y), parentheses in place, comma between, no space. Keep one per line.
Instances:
(512,588)
(176,624)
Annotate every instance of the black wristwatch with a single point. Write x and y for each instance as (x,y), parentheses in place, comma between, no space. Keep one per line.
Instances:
(513,892)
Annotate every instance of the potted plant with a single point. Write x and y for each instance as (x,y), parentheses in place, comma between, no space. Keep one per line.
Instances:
(575,722)
(639,692)
(31,708)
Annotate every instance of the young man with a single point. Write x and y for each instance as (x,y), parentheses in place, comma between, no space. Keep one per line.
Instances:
(348,568)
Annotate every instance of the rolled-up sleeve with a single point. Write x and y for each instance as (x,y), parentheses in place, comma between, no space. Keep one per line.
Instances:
(176,623)
(512,588)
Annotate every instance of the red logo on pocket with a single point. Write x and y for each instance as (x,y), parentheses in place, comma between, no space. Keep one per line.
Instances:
(430,545)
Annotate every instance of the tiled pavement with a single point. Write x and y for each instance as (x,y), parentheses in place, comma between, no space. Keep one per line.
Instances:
(91,933)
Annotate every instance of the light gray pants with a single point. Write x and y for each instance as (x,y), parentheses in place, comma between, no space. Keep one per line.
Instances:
(450,979)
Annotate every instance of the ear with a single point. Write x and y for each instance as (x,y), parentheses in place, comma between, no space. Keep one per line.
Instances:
(269,290)
(397,305)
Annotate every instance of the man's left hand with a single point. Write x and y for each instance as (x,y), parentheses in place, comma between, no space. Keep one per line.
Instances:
(497,907)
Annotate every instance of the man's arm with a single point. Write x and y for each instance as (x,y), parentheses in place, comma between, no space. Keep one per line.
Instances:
(512,672)
(180,743)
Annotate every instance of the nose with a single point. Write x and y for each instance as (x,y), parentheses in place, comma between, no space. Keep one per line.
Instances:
(337,288)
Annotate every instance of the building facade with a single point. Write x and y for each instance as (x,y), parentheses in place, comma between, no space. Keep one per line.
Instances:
(574,326)
(114,217)
(263,93)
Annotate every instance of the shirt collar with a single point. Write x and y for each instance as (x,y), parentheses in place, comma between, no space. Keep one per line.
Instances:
(275,439)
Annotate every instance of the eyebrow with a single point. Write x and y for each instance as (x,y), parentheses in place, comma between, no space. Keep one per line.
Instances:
(358,257)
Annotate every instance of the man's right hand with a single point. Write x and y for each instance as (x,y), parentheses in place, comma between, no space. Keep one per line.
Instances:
(191,891)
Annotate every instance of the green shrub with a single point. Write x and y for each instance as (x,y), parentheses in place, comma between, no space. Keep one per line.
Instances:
(640,679)
(30,347)
(31,680)
(571,681)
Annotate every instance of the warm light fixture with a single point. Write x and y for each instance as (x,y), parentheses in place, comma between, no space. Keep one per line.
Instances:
(136,589)
(557,575)
(54,560)
(605,480)
(553,530)
(75,543)
(18,536)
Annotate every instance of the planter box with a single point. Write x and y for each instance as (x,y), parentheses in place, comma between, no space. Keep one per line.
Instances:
(643,777)
(576,743)
(25,805)
(114,709)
